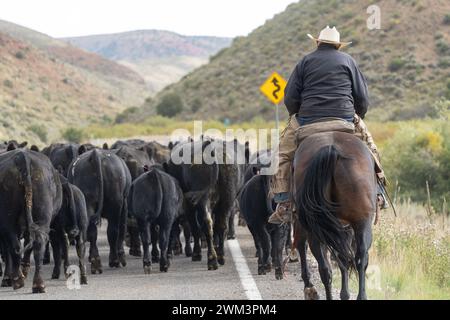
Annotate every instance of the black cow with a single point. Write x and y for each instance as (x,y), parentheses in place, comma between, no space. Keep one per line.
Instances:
(256,207)
(105,182)
(30,197)
(156,198)
(70,224)
(61,155)
(215,183)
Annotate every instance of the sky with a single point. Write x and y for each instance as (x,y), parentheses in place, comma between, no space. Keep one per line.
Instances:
(66,18)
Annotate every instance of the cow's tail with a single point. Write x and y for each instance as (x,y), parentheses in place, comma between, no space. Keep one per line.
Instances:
(156,196)
(74,231)
(317,211)
(23,164)
(97,163)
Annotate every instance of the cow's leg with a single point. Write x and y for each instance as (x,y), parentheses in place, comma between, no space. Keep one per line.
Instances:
(122,231)
(265,243)
(231,232)
(259,255)
(81,253)
(278,245)
(220,233)
(113,239)
(94,257)
(65,252)
(154,235)
(26,256)
(7,281)
(196,233)
(56,239)
(175,247)
(46,259)
(164,234)
(16,277)
(135,241)
(144,230)
(187,239)
(208,232)
(319,252)
(38,254)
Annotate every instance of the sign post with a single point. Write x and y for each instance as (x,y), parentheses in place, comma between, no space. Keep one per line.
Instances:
(273,89)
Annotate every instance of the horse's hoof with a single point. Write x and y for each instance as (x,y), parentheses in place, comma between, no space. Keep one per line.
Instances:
(135,252)
(221,260)
(19,283)
(212,263)
(38,289)
(83,279)
(278,274)
(196,257)
(188,251)
(311,294)
(6,283)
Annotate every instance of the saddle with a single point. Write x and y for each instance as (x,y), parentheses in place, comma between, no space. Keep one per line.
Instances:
(323,125)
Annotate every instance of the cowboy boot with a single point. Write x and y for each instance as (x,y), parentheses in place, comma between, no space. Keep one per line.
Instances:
(282,214)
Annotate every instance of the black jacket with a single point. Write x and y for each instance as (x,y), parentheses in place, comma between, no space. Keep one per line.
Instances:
(327,83)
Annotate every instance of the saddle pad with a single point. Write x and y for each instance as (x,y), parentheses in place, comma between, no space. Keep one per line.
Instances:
(325,125)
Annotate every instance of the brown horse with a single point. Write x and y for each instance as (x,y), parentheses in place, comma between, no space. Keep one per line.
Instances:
(335,192)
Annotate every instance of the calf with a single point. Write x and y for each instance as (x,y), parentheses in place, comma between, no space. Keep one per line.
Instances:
(256,207)
(70,224)
(155,198)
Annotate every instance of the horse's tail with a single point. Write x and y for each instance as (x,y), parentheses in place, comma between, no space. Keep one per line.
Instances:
(317,211)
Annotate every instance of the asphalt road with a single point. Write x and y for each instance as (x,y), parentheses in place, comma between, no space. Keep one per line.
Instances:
(185,279)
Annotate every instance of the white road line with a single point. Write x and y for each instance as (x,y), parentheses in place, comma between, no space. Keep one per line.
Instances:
(249,284)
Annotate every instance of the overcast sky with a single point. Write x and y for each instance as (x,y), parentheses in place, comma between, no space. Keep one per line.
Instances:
(63,18)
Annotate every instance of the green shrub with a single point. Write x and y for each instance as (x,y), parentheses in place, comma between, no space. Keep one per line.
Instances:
(170,105)
(124,115)
(8,83)
(73,135)
(396,64)
(40,131)
(20,55)
(442,47)
(446,20)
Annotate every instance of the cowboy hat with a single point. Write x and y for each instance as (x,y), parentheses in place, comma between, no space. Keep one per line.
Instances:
(330,35)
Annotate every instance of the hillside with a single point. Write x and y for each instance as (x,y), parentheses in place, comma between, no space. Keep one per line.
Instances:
(160,57)
(47,85)
(407,62)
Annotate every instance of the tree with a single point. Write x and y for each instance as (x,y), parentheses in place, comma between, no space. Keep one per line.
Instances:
(170,105)
(73,135)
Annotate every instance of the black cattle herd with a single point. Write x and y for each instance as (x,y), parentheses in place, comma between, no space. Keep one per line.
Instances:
(57,197)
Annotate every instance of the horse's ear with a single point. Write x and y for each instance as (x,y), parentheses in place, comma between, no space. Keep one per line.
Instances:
(34,148)
(11,147)
(82,149)
(105,146)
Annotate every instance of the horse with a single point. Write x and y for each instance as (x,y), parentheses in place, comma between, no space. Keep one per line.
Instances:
(335,191)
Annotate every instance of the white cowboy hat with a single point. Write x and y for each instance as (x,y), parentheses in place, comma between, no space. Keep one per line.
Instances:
(330,35)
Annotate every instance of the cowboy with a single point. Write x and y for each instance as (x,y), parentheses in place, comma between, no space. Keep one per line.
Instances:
(327,83)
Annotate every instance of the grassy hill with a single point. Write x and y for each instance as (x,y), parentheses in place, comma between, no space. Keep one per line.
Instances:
(47,85)
(407,62)
(160,57)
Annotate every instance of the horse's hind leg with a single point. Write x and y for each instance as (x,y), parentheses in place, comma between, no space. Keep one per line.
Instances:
(319,252)
(363,237)
(302,247)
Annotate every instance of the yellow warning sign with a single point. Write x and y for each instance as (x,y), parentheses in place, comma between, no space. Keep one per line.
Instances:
(273,88)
